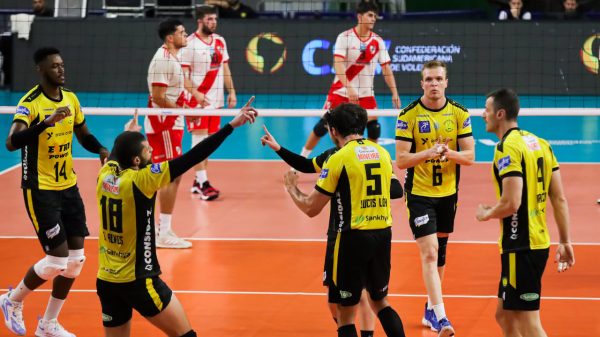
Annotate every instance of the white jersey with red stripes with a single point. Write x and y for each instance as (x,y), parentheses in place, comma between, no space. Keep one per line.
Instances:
(165,70)
(206,59)
(360,59)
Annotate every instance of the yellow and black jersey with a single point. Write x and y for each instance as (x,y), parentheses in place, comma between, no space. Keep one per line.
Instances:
(358,177)
(48,163)
(126,198)
(422,127)
(523,154)
(320,160)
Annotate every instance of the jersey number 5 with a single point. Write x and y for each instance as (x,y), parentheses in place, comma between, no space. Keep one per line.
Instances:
(376,178)
(112,214)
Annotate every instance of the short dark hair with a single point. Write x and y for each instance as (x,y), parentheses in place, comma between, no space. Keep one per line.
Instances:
(40,55)
(347,119)
(508,100)
(127,145)
(205,10)
(168,27)
(366,6)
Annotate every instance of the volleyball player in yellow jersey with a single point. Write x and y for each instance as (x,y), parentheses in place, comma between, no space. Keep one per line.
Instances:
(43,127)
(433,138)
(526,174)
(357,180)
(128,273)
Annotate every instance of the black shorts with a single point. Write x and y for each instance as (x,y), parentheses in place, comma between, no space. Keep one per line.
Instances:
(521,279)
(56,215)
(361,260)
(148,296)
(428,215)
(328,267)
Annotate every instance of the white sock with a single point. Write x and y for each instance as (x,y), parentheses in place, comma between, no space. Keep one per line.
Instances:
(53,308)
(428,303)
(305,152)
(439,310)
(201,176)
(164,223)
(20,292)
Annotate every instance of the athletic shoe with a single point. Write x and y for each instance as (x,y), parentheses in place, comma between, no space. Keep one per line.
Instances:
(445,328)
(51,328)
(207,192)
(13,314)
(196,188)
(171,240)
(429,320)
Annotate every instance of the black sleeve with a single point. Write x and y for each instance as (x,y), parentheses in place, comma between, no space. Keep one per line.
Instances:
(198,153)
(396,191)
(29,135)
(296,161)
(90,143)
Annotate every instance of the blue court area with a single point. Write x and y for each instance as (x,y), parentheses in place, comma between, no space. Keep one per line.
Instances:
(574,138)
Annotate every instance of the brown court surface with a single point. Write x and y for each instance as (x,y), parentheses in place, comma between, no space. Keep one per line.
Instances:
(256,264)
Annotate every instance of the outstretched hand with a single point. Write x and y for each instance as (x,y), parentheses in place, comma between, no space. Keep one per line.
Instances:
(269,140)
(246,114)
(132,124)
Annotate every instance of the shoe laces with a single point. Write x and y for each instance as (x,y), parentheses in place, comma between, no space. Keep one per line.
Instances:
(54,328)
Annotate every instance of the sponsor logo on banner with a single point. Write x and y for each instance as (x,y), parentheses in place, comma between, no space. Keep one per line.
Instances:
(590,53)
(424,127)
(21,110)
(503,163)
(401,125)
(155,168)
(364,153)
(266,63)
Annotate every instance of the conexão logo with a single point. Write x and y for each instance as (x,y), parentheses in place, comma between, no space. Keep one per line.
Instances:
(266,53)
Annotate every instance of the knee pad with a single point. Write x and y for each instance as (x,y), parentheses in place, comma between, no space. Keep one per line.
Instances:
(196,139)
(373,129)
(442,243)
(75,264)
(50,266)
(320,129)
(190,333)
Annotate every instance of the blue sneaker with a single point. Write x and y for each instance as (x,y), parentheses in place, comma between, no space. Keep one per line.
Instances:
(445,328)
(429,320)
(13,314)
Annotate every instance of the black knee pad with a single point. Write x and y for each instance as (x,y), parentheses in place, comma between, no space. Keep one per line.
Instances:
(442,243)
(373,129)
(320,129)
(190,333)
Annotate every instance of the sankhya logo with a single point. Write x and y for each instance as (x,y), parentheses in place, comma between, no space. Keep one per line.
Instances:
(590,53)
(266,53)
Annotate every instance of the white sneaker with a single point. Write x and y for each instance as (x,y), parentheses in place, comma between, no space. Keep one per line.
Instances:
(13,314)
(171,240)
(51,328)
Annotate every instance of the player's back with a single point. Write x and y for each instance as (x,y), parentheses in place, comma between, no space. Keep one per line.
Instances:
(126,201)
(521,153)
(360,174)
